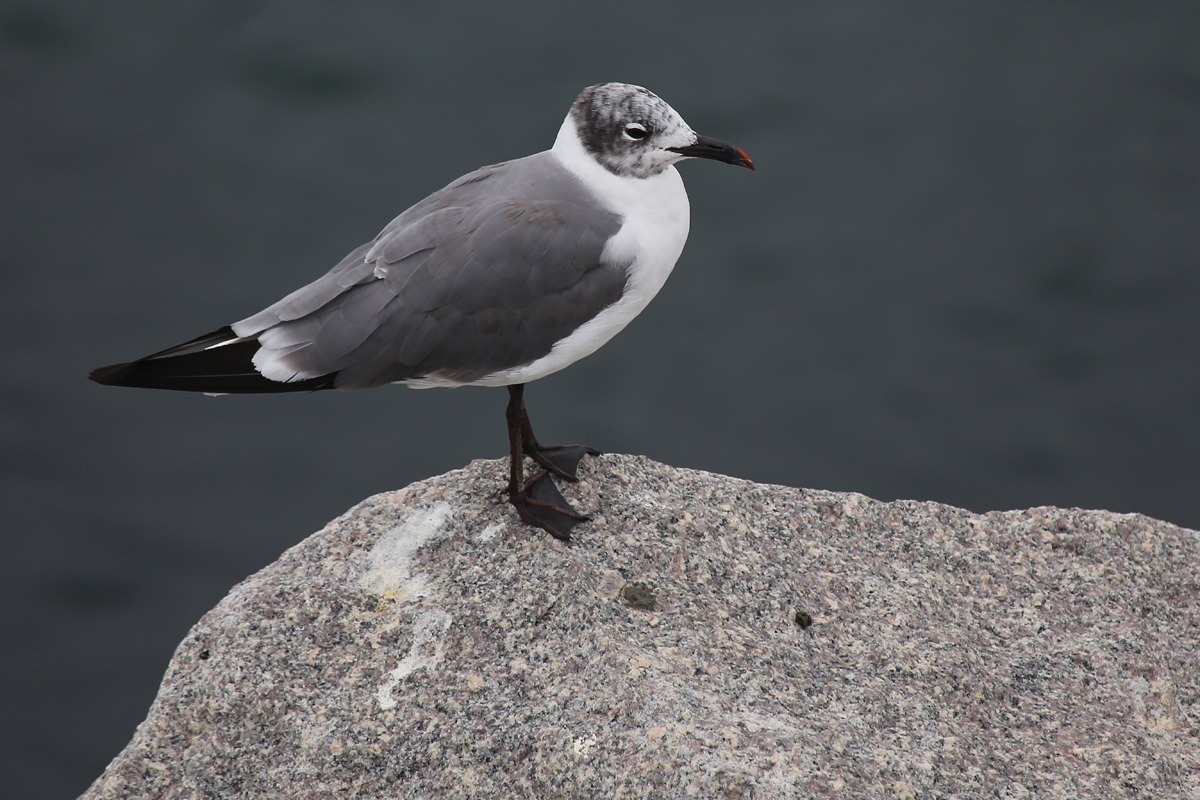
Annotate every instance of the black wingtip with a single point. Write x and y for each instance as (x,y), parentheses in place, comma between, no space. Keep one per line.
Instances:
(112,375)
(200,366)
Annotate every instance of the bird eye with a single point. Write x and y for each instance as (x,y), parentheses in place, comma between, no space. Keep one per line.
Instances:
(635,132)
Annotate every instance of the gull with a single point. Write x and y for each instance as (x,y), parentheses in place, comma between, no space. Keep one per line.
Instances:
(507,275)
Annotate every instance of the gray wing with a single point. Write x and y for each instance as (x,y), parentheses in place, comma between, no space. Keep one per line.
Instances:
(484,275)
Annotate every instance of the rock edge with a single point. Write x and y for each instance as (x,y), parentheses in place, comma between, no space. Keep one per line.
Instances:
(702,637)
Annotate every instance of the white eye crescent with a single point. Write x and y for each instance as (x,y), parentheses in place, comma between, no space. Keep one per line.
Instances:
(635,131)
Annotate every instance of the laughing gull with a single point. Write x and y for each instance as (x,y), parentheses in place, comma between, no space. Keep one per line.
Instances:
(505,276)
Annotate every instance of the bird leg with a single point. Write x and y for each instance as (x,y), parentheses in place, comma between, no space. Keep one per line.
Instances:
(559,459)
(539,503)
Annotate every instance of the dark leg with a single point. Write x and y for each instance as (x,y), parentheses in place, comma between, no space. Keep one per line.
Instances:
(538,503)
(559,459)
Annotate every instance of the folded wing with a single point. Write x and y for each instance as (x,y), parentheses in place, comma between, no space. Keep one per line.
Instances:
(482,276)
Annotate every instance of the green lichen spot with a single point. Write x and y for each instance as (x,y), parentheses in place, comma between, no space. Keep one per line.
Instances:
(639,595)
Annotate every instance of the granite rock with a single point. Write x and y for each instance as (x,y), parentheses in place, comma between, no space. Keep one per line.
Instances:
(702,637)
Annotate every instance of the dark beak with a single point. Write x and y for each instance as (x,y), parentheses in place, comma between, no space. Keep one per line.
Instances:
(716,150)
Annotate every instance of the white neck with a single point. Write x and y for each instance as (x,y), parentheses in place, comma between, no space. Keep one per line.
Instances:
(620,194)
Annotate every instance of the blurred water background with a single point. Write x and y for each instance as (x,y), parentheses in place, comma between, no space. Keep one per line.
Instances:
(965,271)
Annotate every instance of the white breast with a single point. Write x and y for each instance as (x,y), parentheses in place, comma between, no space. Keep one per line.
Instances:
(656,217)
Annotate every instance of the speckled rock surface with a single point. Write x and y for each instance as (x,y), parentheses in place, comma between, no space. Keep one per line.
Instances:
(425,645)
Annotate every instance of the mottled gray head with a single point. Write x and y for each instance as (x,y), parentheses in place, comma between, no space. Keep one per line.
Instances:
(632,132)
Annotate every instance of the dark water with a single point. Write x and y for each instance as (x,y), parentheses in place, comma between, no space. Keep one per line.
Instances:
(966,271)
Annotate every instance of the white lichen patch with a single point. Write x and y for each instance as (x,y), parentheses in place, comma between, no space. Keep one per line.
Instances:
(489,533)
(581,746)
(391,559)
(425,652)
